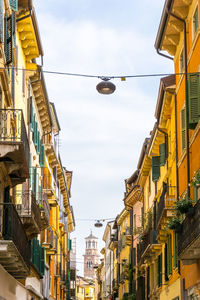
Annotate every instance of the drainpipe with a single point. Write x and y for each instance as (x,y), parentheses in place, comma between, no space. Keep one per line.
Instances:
(186,95)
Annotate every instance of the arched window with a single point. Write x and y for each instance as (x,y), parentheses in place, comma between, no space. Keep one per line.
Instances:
(93,244)
(89,244)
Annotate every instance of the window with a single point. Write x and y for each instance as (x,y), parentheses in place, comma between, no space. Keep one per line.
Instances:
(183,129)
(194,99)
(196,20)
(182,62)
(155,168)
(149,183)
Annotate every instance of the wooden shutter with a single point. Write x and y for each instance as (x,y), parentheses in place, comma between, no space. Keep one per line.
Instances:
(175,249)
(160,270)
(183,129)
(42,155)
(42,260)
(36,134)
(166,264)
(1,21)
(14,4)
(155,168)
(33,179)
(162,152)
(30,169)
(194,99)
(169,254)
(32,114)
(38,142)
(69,244)
(8,39)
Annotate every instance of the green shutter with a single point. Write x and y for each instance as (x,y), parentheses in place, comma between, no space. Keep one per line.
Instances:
(1,21)
(155,168)
(194,99)
(195,193)
(8,39)
(69,244)
(32,115)
(183,129)
(169,254)
(160,270)
(38,142)
(42,155)
(175,249)
(196,20)
(166,263)
(162,152)
(32,251)
(36,134)
(14,4)
(42,260)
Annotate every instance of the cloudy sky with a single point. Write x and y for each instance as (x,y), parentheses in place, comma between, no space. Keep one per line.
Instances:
(101,135)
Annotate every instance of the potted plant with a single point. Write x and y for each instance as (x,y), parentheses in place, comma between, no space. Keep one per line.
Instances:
(184,205)
(174,224)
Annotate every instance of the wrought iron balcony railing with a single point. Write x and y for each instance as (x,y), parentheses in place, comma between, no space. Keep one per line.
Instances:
(167,201)
(13,129)
(189,237)
(29,208)
(148,240)
(12,229)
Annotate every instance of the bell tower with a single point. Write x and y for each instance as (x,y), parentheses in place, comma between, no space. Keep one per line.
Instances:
(91,256)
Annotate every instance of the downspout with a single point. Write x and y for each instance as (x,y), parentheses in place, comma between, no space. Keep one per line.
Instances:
(186,94)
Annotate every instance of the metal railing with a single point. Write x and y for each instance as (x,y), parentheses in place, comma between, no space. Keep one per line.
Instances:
(29,206)
(167,200)
(50,237)
(148,239)
(13,129)
(190,229)
(12,229)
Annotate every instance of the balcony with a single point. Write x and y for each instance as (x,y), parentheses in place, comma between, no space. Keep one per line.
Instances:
(14,145)
(165,209)
(15,249)
(47,241)
(128,236)
(189,238)
(29,213)
(45,212)
(51,149)
(148,246)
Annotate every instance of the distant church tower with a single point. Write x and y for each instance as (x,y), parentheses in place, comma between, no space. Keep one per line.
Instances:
(91,256)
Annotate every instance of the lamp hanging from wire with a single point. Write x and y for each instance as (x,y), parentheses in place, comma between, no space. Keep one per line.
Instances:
(105,87)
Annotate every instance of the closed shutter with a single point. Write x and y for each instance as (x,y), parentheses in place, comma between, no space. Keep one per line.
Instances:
(8,40)
(166,263)
(30,170)
(36,134)
(160,270)
(162,152)
(32,114)
(175,249)
(14,4)
(42,260)
(194,99)
(155,168)
(69,244)
(40,194)
(169,254)
(38,142)
(33,179)
(183,129)
(42,155)
(1,21)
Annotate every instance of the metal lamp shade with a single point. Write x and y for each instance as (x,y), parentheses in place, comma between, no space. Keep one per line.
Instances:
(105,87)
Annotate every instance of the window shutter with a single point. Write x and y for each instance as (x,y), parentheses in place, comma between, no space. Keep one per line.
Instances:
(175,249)
(166,263)
(38,142)
(134,257)
(160,270)
(36,134)
(42,260)
(32,114)
(169,254)
(42,155)
(155,168)
(162,152)
(30,169)
(69,244)
(14,4)
(32,246)
(1,21)
(194,99)
(40,194)
(8,40)
(183,129)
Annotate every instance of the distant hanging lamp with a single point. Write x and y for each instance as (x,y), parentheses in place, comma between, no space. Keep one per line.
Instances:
(98,224)
(105,87)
